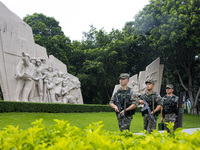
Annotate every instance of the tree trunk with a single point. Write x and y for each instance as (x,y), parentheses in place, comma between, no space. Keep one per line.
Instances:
(181,81)
(194,108)
(196,102)
(189,89)
(107,92)
(191,100)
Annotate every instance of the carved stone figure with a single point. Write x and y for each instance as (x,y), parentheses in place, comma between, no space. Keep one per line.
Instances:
(51,91)
(33,60)
(43,65)
(58,85)
(31,96)
(74,92)
(45,99)
(24,74)
(40,76)
(65,90)
(67,86)
(135,86)
(50,88)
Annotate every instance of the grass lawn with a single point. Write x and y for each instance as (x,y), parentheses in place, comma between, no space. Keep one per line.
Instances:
(82,120)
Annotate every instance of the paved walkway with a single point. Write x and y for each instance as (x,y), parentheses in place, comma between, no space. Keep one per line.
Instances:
(189,131)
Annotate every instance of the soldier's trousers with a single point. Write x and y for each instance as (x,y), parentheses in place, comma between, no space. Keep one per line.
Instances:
(170,118)
(124,122)
(149,124)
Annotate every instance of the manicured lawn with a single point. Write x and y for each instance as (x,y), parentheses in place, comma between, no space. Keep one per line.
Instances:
(82,120)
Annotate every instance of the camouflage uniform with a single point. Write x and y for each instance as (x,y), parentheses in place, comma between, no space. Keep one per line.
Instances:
(153,99)
(130,97)
(170,109)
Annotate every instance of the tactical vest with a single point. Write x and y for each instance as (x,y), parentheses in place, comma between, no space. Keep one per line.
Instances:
(169,105)
(151,100)
(124,97)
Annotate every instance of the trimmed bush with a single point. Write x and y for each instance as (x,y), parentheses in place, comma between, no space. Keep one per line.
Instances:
(64,136)
(9,106)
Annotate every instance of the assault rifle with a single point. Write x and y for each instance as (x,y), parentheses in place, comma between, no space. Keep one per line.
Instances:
(146,107)
(120,108)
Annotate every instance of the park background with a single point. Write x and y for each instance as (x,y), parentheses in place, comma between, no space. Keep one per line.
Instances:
(166,29)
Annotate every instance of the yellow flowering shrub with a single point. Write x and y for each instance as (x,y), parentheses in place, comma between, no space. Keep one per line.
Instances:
(64,136)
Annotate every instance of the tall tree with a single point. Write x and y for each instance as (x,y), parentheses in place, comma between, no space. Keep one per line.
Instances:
(48,33)
(103,56)
(173,29)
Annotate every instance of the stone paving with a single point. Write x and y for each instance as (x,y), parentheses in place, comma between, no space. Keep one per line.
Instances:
(189,131)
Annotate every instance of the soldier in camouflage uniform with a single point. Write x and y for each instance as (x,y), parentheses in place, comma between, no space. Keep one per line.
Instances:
(155,103)
(127,100)
(170,104)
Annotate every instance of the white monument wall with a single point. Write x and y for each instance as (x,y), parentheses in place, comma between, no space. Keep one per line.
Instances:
(56,63)
(17,37)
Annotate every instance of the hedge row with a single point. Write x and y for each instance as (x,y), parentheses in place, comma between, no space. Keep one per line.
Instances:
(63,136)
(10,106)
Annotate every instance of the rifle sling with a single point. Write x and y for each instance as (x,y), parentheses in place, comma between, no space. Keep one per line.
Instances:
(153,102)
(124,107)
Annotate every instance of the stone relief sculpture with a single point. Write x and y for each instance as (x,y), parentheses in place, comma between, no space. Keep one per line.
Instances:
(24,76)
(69,90)
(65,90)
(27,73)
(135,86)
(58,85)
(49,85)
(33,61)
(50,91)
(43,65)
(39,75)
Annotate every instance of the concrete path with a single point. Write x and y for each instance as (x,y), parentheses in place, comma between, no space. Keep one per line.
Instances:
(189,131)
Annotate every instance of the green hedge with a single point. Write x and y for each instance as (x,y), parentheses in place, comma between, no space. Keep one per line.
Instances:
(63,136)
(10,106)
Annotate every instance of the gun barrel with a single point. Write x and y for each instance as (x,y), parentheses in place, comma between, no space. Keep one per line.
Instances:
(118,105)
(146,107)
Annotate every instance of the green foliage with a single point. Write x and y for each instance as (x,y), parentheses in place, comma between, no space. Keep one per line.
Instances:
(172,31)
(8,106)
(47,33)
(102,58)
(172,27)
(64,136)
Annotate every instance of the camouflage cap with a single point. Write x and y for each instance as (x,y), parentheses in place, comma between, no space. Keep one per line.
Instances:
(124,76)
(149,81)
(170,86)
